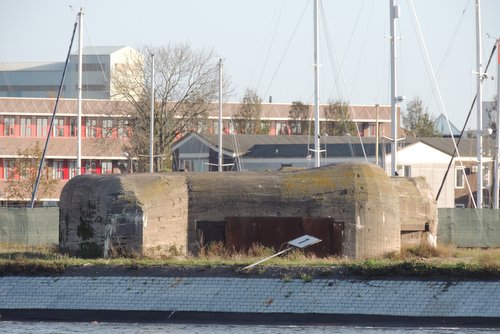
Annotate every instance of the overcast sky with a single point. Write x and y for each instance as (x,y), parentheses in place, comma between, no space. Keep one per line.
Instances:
(268,44)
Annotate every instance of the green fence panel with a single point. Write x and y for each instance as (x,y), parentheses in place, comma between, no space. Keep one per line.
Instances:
(32,227)
(469,227)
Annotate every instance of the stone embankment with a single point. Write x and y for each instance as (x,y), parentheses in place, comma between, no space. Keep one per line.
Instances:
(131,295)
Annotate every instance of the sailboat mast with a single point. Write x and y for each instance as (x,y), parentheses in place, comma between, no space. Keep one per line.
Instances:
(317,152)
(496,165)
(479,103)
(152,116)
(394,119)
(79,96)
(220,116)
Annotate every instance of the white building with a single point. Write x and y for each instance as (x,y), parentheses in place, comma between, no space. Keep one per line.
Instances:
(42,80)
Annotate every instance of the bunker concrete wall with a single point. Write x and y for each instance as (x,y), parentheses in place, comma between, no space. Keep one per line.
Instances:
(164,204)
(144,212)
(94,209)
(359,195)
(110,214)
(414,212)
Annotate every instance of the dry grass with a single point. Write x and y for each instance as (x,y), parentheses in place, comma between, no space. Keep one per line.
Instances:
(413,261)
(426,252)
(217,250)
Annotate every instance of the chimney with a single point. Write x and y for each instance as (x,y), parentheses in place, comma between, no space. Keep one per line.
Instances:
(270,99)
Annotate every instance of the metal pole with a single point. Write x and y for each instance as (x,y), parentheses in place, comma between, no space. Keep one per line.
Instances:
(394,120)
(152,114)
(495,167)
(317,153)
(267,258)
(79,95)
(42,158)
(220,116)
(376,135)
(479,69)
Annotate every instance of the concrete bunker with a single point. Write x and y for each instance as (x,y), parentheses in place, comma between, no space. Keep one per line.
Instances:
(158,214)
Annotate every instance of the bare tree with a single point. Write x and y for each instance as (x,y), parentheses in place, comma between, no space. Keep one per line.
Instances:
(22,176)
(185,82)
(299,116)
(247,118)
(338,121)
(417,121)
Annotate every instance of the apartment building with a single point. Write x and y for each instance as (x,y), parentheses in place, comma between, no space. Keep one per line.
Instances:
(25,124)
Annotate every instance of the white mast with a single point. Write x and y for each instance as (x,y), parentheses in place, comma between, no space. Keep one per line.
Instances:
(79,96)
(394,112)
(479,103)
(317,152)
(220,116)
(495,168)
(152,114)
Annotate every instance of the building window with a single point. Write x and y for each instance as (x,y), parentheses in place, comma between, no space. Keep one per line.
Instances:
(25,126)
(8,169)
(281,128)
(73,127)
(91,128)
(404,170)
(58,170)
(42,126)
(123,128)
(90,167)
(193,165)
(107,127)
(407,170)
(93,67)
(106,167)
(72,169)
(459,177)
(8,126)
(58,129)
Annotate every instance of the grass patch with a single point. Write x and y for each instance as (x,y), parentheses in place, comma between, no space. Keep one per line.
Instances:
(412,261)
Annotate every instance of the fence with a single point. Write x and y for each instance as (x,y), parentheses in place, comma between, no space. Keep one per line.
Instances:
(32,227)
(460,227)
(469,227)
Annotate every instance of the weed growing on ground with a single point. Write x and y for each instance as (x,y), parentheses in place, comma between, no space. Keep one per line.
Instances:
(412,261)
(306,278)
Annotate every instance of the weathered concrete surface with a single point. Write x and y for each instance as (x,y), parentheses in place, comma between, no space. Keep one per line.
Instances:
(415,214)
(359,195)
(146,212)
(439,302)
(140,213)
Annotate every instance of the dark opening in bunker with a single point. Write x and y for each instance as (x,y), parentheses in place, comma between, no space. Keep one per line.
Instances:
(239,233)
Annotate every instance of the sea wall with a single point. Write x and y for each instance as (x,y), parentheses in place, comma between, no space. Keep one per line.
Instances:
(435,301)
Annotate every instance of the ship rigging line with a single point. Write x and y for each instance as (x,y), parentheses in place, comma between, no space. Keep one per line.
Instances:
(465,125)
(286,49)
(42,160)
(449,47)
(435,83)
(101,65)
(270,46)
(332,50)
